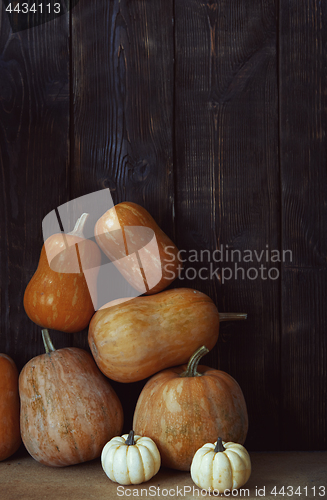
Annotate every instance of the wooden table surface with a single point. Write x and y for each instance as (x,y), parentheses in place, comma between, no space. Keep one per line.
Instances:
(21,477)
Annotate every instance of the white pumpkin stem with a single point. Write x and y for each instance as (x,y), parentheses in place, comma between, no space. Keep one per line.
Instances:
(47,341)
(191,370)
(130,440)
(79,226)
(232,316)
(219,446)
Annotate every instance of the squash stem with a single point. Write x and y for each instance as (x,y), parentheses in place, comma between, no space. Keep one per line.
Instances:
(130,440)
(219,446)
(47,341)
(232,316)
(191,370)
(79,226)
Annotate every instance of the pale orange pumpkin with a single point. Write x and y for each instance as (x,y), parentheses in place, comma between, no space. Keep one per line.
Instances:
(122,235)
(10,439)
(69,411)
(183,408)
(58,296)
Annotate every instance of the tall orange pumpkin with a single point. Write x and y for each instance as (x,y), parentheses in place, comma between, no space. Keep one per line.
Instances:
(58,295)
(183,408)
(68,408)
(9,408)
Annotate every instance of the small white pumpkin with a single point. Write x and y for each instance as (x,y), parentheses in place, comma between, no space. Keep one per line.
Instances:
(130,459)
(221,466)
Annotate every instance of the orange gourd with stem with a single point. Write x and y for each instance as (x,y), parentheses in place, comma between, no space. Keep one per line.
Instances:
(58,296)
(131,341)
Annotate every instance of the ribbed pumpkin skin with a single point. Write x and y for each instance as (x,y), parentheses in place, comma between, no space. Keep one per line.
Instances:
(182,414)
(61,300)
(68,409)
(108,235)
(10,439)
(133,340)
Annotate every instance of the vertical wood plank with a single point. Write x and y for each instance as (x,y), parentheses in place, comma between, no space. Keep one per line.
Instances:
(304,180)
(122,64)
(34,160)
(123,102)
(226,108)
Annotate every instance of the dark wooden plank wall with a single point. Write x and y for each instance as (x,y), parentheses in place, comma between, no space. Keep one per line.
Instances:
(212,116)
(303,79)
(34,159)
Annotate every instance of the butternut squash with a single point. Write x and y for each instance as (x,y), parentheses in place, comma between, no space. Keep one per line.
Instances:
(132,340)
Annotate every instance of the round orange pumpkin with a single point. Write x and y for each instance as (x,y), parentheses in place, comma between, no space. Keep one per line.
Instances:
(10,439)
(68,409)
(183,408)
(58,295)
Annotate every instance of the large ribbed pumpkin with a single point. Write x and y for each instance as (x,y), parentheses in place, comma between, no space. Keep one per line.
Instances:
(69,411)
(183,408)
(9,408)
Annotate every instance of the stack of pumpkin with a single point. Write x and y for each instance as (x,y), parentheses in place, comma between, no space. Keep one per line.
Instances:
(68,409)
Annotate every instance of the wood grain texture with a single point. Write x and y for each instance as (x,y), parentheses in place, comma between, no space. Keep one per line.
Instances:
(227,183)
(123,103)
(304,214)
(304,352)
(34,152)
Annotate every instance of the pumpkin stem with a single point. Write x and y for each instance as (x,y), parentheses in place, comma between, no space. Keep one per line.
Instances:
(219,446)
(47,341)
(130,440)
(231,316)
(79,226)
(193,363)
